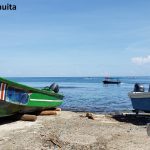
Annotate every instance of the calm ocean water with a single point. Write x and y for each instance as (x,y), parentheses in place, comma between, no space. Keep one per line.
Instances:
(89,93)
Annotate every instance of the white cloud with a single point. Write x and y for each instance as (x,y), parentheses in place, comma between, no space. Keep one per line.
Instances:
(141,60)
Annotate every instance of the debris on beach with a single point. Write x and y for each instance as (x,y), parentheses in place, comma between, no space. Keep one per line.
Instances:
(90,116)
(51,140)
(103,118)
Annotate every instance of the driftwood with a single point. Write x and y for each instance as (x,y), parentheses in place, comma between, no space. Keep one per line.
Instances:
(50,140)
(55,142)
(27,117)
(90,116)
(48,112)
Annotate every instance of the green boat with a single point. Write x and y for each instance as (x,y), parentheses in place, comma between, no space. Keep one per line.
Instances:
(16,98)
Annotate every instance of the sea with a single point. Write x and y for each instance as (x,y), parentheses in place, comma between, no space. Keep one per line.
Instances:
(89,94)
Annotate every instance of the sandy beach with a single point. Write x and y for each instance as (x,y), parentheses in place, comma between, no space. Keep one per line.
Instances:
(70,130)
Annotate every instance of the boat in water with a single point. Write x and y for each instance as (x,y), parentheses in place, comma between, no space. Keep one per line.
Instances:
(108,80)
(15,98)
(140,98)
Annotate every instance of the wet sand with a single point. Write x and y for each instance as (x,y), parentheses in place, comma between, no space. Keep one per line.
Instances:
(70,130)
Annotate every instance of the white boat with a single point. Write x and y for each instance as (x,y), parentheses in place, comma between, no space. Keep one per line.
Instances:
(140,99)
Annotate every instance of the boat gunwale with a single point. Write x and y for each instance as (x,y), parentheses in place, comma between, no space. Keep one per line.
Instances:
(139,95)
(28,88)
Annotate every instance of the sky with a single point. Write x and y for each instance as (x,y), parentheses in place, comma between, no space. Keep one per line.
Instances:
(62,38)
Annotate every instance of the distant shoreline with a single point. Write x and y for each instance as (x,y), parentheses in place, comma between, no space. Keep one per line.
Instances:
(72,76)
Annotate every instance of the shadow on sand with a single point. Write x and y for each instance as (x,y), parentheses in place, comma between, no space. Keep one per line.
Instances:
(140,119)
(9,119)
(17,117)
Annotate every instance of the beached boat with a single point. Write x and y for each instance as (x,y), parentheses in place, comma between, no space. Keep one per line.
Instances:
(15,97)
(111,81)
(140,99)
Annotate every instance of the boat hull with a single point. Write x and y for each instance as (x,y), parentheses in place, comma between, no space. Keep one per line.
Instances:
(140,101)
(41,100)
(36,102)
(111,82)
(8,109)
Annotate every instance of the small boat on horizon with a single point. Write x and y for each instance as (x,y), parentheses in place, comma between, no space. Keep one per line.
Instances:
(15,98)
(109,80)
(140,99)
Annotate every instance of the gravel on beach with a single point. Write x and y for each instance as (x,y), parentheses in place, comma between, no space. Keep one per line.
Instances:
(75,131)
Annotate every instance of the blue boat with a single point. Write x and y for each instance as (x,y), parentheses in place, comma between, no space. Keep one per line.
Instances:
(140,99)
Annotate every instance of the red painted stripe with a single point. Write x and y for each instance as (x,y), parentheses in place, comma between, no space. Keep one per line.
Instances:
(1,92)
(2,96)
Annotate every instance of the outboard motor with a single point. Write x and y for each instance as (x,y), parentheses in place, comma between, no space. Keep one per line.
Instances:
(138,87)
(54,87)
